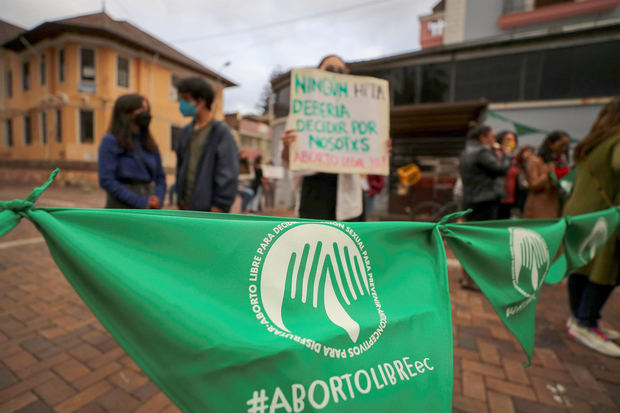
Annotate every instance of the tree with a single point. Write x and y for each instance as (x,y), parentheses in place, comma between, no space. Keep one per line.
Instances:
(263,102)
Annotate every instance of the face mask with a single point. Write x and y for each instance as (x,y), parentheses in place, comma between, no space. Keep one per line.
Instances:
(186,108)
(143,119)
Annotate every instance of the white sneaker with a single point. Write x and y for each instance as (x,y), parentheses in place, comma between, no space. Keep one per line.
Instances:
(608,332)
(595,339)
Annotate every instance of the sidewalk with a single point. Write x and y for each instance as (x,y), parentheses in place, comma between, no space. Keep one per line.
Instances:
(56,357)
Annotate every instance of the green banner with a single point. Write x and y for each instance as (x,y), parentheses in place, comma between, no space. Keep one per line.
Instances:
(259,314)
(237,313)
(585,237)
(509,261)
(520,128)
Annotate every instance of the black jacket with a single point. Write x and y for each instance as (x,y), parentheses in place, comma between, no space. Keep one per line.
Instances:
(218,168)
(480,168)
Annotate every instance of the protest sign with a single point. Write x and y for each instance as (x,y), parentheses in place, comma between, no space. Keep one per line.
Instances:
(273,172)
(342,122)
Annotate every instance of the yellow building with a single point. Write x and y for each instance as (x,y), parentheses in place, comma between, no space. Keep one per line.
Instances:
(253,135)
(59,84)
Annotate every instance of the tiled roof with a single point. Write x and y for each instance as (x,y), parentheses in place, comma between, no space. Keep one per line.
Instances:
(9,31)
(103,25)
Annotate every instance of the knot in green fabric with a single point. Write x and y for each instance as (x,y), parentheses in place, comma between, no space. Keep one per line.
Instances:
(20,206)
(17,205)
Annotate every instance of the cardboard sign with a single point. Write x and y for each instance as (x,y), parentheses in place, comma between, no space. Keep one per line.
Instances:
(342,122)
(273,172)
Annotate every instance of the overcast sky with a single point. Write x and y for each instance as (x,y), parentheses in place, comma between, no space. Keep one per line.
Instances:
(246,33)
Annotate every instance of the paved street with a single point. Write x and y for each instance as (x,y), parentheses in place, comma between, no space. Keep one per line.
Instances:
(55,356)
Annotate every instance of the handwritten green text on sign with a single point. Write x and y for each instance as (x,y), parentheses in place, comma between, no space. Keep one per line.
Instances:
(342,122)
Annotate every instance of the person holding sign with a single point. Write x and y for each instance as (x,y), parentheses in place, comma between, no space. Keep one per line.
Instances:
(328,143)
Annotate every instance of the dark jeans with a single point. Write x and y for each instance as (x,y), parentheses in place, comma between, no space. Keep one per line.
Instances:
(587,299)
(504,211)
(143,189)
(318,196)
(483,211)
(246,196)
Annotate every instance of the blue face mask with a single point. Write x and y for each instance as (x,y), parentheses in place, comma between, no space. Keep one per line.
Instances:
(187,108)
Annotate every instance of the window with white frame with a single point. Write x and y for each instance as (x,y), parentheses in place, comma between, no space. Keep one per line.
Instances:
(27,130)
(44,128)
(122,71)
(43,69)
(7,133)
(25,76)
(173,93)
(58,125)
(87,65)
(87,126)
(8,84)
(61,65)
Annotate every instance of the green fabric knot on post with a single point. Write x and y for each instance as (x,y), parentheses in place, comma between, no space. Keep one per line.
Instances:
(11,212)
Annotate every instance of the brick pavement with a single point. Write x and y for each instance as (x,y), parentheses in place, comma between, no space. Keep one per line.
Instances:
(56,357)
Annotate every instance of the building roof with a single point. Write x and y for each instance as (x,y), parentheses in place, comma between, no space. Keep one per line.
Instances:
(439,7)
(488,43)
(102,25)
(504,40)
(9,31)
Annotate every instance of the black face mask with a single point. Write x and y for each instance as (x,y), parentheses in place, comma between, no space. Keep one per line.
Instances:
(143,120)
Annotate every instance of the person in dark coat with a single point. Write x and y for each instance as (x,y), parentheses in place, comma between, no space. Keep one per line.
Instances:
(130,168)
(207,154)
(480,170)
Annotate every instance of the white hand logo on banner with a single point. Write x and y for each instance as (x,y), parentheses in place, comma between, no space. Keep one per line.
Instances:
(594,241)
(529,251)
(302,259)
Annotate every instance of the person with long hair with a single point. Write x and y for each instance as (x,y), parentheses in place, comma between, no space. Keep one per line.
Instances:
(325,195)
(597,187)
(543,200)
(130,168)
